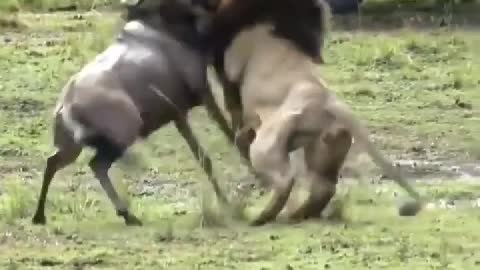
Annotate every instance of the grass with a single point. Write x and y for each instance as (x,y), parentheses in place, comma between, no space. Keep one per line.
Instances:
(54,5)
(417,90)
(83,232)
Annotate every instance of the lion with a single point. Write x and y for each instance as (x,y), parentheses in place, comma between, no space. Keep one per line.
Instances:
(265,53)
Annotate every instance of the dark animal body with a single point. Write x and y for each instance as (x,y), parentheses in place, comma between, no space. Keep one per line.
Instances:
(264,54)
(154,73)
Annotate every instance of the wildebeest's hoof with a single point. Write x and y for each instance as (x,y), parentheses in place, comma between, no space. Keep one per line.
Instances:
(39,220)
(258,222)
(132,220)
(409,209)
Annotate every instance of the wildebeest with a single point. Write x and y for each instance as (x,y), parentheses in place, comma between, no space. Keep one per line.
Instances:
(265,53)
(154,73)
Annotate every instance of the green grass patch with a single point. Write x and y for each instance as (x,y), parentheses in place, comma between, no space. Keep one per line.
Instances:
(363,231)
(54,5)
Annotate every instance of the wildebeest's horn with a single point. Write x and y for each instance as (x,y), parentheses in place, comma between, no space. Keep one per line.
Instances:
(130,2)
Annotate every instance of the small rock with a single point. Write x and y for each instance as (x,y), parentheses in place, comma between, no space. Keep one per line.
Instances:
(418,149)
(78,17)
(274,237)
(180,212)
(49,43)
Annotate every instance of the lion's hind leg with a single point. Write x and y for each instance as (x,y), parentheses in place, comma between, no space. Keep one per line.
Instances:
(270,160)
(324,158)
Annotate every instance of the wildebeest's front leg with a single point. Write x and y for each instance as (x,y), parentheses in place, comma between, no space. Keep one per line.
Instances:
(215,113)
(185,130)
(233,105)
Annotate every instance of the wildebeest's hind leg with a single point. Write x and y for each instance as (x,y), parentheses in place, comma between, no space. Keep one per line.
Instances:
(107,153)
(185,130)
(59,160)
(324,159)
(67,152)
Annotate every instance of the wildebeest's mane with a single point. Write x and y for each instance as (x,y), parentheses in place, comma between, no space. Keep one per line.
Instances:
(300,21)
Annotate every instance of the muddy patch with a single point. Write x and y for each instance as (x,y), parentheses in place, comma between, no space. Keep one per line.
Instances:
(174,190)
(440,169)
(435,167)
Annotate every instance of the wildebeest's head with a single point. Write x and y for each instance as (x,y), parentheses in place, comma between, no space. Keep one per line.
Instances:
(304,22)
(141,9)
(182,18)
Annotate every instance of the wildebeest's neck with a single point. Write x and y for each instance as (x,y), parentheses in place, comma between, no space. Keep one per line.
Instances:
(174,20)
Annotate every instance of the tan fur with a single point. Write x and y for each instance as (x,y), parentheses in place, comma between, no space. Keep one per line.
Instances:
(290,108)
